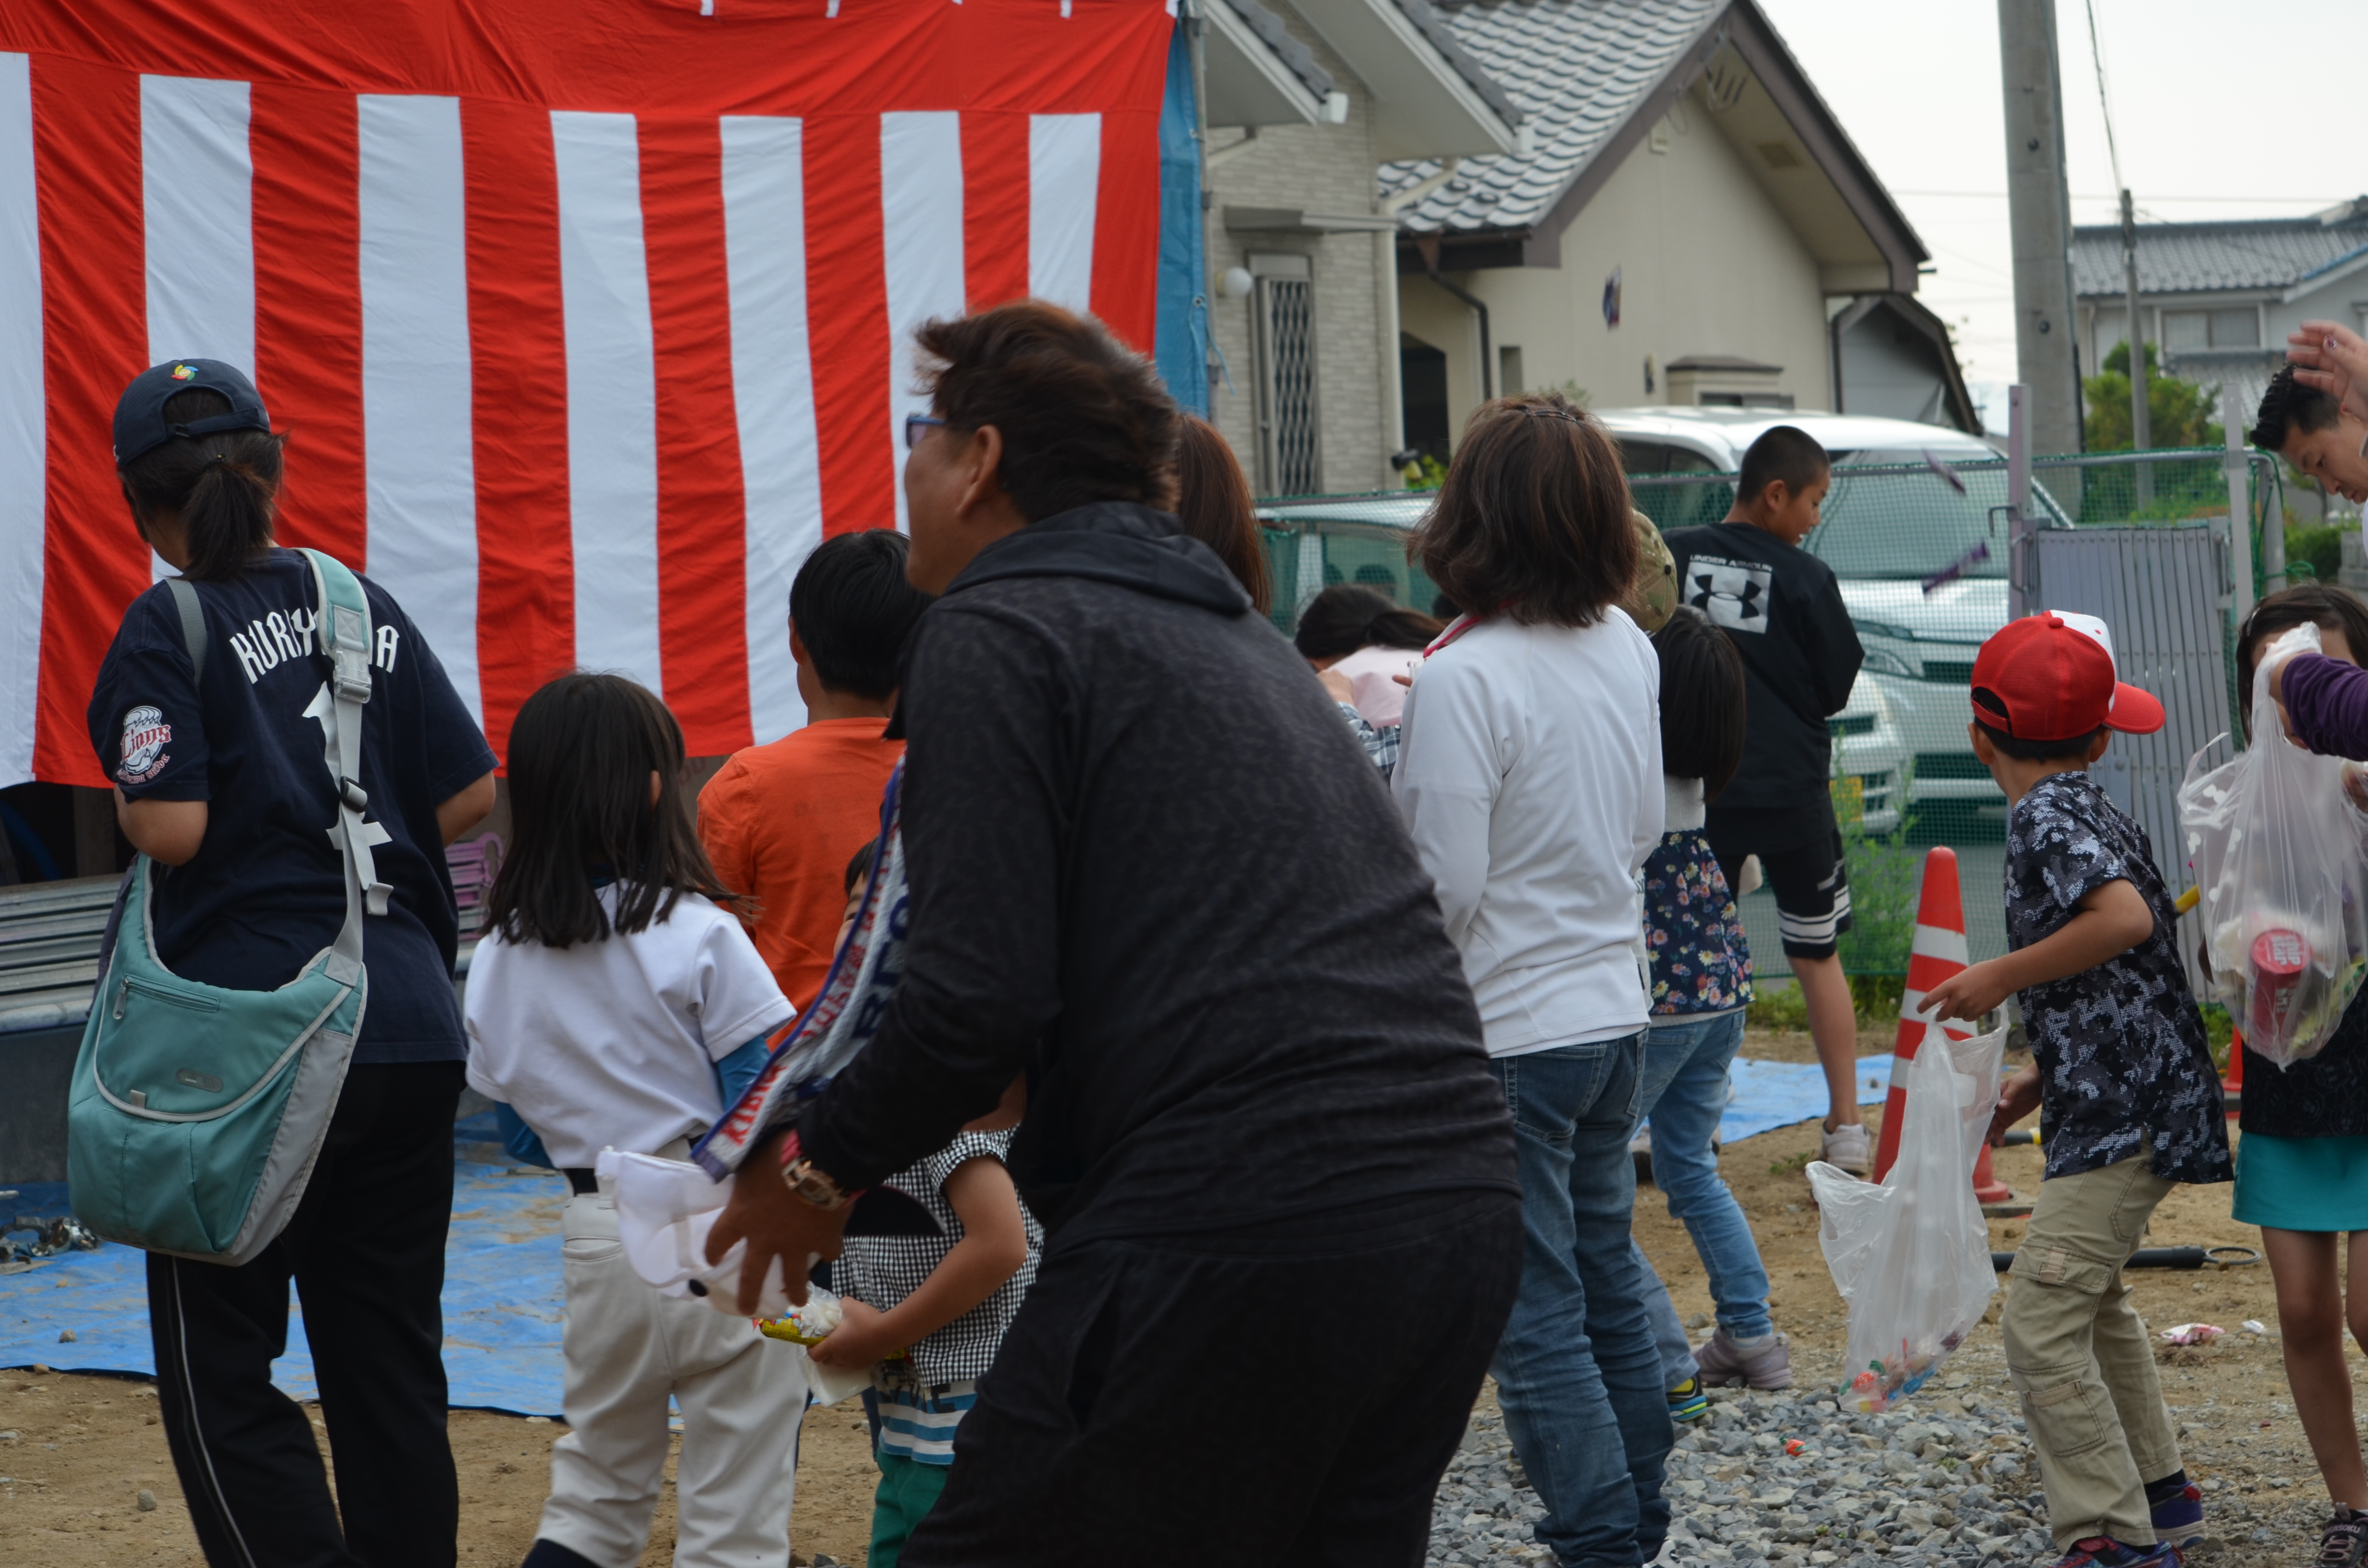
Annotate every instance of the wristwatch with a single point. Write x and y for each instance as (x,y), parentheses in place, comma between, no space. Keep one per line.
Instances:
(806,1179)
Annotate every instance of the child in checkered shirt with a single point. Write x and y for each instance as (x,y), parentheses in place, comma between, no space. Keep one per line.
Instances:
(926,1312)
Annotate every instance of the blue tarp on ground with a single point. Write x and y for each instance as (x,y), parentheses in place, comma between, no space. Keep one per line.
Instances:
(503,1306)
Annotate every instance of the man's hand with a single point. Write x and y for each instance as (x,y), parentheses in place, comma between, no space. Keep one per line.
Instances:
(2334,358)
(861,1339)
(775,1223)
(1970,992)
(2018,1098)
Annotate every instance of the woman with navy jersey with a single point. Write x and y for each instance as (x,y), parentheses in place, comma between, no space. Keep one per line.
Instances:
(215,738)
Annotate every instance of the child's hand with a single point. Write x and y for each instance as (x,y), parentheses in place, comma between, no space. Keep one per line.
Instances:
(1968,993)
(2018,1098)
(859,1339)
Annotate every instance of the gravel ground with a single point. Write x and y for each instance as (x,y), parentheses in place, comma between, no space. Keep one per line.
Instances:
(1947,1481)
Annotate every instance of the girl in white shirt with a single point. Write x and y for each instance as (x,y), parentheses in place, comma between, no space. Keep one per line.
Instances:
(617,1002)
(1530,776)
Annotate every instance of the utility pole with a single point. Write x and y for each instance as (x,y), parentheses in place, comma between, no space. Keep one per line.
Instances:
(2039,210)
(2141,434)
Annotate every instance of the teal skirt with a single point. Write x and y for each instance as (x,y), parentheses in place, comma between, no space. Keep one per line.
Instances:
(2302,1184)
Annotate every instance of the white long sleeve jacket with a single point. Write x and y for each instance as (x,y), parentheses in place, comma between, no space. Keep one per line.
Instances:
(1530,777)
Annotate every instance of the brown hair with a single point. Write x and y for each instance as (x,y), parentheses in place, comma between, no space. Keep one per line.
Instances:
(1350,616)
(1212,501)
(1084,418)
(224,485)
(2304,604)
(1533,521)
(581,750)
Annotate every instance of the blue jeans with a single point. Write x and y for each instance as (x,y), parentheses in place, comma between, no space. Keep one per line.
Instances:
(1686,1061)
(1577,1362)
(1669,1339)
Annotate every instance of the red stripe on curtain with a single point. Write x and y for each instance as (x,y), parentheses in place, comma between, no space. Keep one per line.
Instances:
(703,577)
(994,207)
(94,339)
(847,320)
(1126,226)
(517,344)
(308,314)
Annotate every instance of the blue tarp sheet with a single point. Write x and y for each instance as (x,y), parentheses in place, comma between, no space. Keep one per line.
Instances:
(503,1305)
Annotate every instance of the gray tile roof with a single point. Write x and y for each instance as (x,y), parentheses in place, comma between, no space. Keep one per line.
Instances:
(1434,26)
(2261,252)
(1288,50)
(1577,69)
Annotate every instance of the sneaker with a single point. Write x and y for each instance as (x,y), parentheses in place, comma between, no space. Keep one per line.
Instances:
(1848,1147)
(2345,1542)
(2177,1504)
(1767,1365)
(1687,1401)
(2105,1551)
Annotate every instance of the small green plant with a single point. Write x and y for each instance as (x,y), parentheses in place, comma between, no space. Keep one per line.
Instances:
(2218,1029)
(1777,1006)
(1798,1162)
(1431,473)
(2319,549)
(1884,876)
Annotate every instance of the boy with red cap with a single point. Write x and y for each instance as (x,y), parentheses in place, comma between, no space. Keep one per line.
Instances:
(2128,1098)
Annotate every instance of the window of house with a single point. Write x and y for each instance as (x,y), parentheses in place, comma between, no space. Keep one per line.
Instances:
(2238,327)
(1422,387)
(1508,370)
(1291,453)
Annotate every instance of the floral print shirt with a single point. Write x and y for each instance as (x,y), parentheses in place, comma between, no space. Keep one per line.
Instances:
(2123,1062)
(1692,934)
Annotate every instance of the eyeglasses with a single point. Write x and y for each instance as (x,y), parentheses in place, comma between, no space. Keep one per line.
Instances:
(916,423)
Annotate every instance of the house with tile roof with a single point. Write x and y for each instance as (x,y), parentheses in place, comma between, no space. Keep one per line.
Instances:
(2217,299)
(1303,100)
(1688,223)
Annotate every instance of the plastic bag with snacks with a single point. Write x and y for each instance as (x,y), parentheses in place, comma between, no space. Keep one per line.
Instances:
(2280,852)
(1912,1256)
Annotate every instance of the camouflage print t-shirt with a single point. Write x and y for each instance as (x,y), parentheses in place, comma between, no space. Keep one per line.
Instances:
(2123,1067)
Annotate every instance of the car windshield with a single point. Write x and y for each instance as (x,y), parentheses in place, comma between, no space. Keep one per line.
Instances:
(1884,518)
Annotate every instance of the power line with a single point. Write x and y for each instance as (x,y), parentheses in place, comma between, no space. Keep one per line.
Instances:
(2104,104)
(2312,201)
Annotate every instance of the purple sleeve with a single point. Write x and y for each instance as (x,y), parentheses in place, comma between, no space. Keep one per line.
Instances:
(2327,700)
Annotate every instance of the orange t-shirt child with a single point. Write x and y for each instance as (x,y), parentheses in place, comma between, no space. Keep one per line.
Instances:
(780,823)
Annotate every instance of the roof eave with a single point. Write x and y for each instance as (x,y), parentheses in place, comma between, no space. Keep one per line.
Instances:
(1251,81)
(1427,102)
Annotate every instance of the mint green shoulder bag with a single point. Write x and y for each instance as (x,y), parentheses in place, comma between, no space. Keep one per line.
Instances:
(196,1111)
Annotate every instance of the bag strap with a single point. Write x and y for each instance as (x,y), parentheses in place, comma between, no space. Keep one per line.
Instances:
(343,624)
(193,622)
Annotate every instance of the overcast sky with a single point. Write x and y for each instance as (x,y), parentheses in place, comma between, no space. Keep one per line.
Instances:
(2215,108)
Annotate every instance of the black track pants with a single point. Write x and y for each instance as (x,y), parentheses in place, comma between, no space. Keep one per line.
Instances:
(1188,1400)
(366,1251)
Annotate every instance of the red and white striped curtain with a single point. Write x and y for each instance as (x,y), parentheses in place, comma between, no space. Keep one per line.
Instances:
(587,318)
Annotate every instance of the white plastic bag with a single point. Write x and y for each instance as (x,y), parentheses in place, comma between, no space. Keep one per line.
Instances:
(664,1211)
(2279,855)
(1912,1256)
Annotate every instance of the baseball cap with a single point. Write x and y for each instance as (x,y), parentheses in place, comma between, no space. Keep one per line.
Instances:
(140,424)
(2051,677)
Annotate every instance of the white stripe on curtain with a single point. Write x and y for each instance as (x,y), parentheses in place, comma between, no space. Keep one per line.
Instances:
(772,386)
(612,438)
(1064,166)
(24,434)
(197,181)
(921,242)
(417,430)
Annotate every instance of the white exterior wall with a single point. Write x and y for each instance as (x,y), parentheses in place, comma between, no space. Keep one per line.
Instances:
(1317,168)
(1708,265)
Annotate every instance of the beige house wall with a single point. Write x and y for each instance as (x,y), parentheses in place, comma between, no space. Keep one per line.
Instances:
(1708,265)
(1316,168)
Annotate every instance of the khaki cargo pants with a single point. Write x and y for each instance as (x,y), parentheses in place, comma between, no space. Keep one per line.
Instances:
(2078,1354)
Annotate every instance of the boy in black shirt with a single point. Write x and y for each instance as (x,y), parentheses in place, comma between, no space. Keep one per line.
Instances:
(2128,1098)
(1800,656)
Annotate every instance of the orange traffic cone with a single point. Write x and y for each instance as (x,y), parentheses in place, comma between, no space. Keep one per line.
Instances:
(1939,952)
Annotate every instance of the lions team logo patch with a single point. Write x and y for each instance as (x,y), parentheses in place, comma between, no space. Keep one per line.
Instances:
(145,736)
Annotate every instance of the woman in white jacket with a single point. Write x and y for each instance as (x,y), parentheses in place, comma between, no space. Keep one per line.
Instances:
(1531,779)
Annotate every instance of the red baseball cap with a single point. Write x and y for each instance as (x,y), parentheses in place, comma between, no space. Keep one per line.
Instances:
(2050,676)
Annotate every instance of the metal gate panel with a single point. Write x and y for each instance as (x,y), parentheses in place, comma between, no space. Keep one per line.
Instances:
(2164,592)
(1290,444)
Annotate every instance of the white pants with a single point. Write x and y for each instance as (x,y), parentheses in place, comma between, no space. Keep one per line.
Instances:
(742,1396)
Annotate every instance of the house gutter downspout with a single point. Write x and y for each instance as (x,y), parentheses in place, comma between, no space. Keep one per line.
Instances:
(1426,246)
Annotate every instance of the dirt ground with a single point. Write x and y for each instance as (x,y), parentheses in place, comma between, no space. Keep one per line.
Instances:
(77,1451)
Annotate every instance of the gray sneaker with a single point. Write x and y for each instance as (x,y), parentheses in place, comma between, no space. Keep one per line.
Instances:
(1848,1147)
(1770,1366)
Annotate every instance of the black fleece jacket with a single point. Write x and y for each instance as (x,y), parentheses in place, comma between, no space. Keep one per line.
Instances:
(1153,869)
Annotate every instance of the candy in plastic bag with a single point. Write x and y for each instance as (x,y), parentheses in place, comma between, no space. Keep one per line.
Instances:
(2281,866)
(1912,1256)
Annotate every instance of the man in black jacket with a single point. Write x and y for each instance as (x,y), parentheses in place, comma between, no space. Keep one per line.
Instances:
(1151,872)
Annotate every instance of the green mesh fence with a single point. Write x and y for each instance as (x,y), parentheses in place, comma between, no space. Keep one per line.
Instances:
(1923,570)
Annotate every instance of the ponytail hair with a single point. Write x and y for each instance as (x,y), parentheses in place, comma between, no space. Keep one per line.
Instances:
(224,485)
(1347,617)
